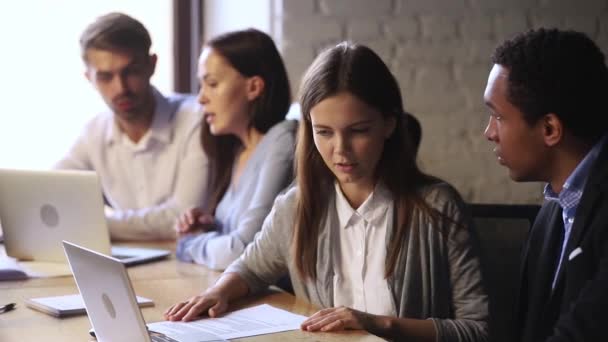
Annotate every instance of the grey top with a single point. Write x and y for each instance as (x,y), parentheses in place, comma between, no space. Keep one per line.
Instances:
(437,275)
(241,211)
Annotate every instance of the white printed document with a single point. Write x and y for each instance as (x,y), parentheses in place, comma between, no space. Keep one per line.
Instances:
(257,320)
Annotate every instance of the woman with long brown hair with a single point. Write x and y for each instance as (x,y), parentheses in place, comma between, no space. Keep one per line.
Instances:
(364,234)
(245,96)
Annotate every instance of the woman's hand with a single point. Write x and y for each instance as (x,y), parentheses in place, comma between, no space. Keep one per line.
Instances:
(340,318)
(194,220)
(211,302)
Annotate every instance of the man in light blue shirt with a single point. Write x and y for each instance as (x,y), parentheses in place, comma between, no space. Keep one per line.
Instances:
(145,148)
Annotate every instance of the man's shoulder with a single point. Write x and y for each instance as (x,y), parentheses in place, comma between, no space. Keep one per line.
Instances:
(180,97)
(184,103)
(599,171)
(98,125)
(186,111)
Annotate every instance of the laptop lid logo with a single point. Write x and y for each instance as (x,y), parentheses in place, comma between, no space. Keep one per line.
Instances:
(108,305)
(49,216)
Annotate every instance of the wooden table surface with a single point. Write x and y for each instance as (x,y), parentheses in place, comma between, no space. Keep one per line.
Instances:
(166,282)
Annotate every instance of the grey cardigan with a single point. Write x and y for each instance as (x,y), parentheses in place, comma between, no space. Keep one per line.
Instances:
(437,275)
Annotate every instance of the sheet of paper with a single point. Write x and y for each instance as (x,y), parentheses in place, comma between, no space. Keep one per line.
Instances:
(258,320)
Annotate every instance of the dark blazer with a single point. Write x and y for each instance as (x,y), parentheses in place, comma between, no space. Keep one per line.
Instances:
(577,309)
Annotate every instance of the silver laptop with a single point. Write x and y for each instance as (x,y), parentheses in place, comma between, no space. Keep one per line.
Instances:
(39,209)
(109,298)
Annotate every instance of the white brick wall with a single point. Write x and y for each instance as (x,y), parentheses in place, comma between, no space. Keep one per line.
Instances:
(439,51)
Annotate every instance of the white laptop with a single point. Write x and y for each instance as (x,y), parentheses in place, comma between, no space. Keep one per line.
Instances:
(109,298)
(39,209)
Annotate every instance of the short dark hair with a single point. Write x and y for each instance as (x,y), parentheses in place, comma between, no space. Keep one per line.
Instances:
(560,72)
(115,31)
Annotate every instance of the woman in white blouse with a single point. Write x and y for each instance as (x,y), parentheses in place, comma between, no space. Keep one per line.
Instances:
(365,234)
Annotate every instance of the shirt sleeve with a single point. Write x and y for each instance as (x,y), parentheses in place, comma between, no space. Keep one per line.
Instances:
(217,251)
(265,260)
(156,222)
(469,298)
(77,158)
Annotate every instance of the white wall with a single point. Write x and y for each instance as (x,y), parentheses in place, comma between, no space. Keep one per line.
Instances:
(45,97)
(439,50)
(221,16)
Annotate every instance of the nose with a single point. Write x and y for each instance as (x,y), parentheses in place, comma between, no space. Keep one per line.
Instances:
(119,84)
(490,131)
(342,144)
(202,97)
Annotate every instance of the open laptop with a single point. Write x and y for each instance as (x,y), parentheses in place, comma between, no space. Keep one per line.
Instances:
(39,209)
(109,298)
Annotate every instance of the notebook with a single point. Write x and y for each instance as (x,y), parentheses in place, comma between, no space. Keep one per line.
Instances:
(68,305)
(109,298)
(39,209)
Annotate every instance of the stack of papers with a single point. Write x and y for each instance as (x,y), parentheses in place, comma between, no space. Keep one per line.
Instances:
(258,320)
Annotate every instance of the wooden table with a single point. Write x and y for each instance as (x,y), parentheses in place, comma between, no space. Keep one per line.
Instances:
(166,282)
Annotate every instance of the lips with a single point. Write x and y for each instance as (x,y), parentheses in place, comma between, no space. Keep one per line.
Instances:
(124,103)
(345,167)
(209,117)
(499,156)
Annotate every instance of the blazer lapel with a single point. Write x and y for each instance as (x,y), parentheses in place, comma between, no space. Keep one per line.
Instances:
(595,189)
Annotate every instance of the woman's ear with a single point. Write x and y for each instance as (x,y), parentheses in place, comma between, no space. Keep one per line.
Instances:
(389,126)
(255,87)
(553,129)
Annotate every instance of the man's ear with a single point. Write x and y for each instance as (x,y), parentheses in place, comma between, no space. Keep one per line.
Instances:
(87,75)
(153,60)
(553,129)
(255,87)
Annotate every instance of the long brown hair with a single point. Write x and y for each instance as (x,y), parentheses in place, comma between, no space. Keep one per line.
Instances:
(252,53)
(358,70)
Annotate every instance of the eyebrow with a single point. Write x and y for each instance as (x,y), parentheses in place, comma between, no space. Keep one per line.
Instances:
(133,63)
(489,104)
(351,125)
(206,76)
